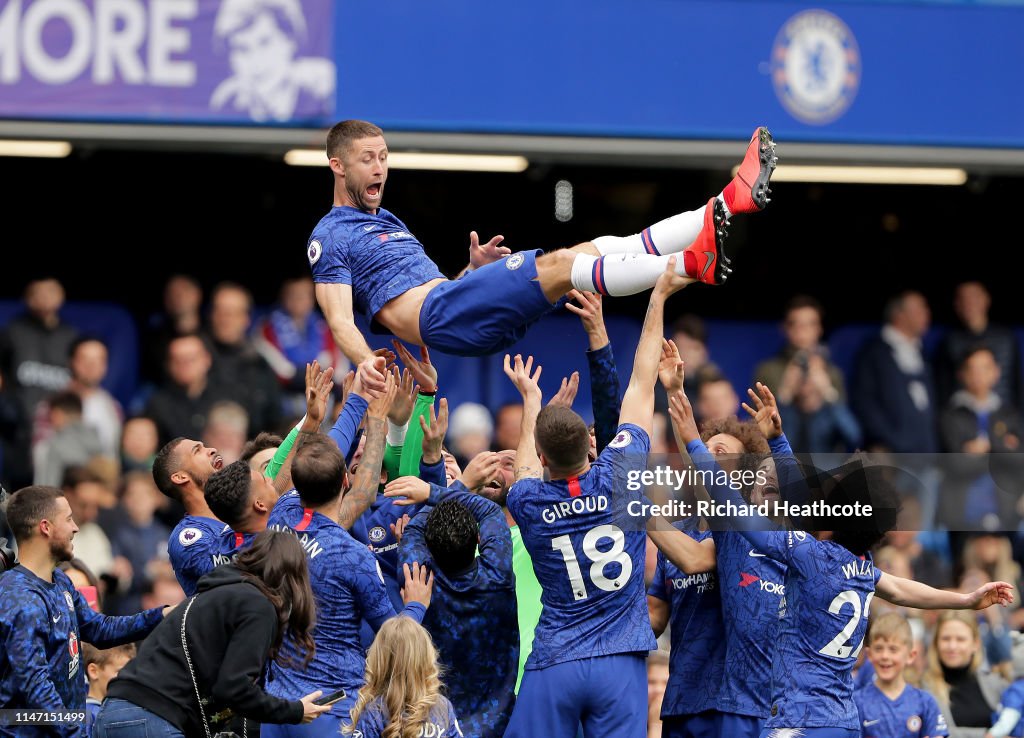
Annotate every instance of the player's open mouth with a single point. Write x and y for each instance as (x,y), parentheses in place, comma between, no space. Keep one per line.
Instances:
(772,492)
(373,190)
(494,484)
(218,462)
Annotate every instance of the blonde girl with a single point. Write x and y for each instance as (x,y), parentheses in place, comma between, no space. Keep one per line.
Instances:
(402,694)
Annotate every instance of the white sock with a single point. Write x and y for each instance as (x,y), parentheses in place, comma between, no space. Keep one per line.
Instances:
(725,206)
(619,274)
(668,236)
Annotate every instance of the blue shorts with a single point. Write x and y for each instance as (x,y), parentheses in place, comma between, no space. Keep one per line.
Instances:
(606,694)
(487,310)
(702,725)
(739,726)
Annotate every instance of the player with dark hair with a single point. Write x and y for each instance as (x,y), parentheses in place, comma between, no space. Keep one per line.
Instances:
(199,542)
(465,540)
(44,619)
(347,583)
(364,258)
(587,664)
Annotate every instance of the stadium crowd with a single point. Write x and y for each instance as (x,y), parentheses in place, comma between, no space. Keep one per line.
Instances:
(416,587)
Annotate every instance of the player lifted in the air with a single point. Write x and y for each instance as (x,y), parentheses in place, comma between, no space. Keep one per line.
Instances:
(364,258)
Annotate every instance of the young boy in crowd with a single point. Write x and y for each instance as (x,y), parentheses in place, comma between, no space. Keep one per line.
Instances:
(888,706)
(101,666)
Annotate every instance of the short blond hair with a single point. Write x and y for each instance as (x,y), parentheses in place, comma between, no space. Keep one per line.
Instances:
(891,626)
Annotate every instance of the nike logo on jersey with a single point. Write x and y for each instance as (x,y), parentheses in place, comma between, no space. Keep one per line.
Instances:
(871,722)
(56,618)
(755,554)
(369,227)
(711,258)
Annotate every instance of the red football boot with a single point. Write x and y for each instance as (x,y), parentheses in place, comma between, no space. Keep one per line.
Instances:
(748,192)
(705,258)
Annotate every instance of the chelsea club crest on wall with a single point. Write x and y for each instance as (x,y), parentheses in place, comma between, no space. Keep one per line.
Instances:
(816,66)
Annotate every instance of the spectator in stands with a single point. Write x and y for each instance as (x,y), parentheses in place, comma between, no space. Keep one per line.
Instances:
(469,431)
(811,393)
(10,423)
(138,537)
(657,681)
(802,326)
(717,399)
(992,553)
(83,491)
(227,429)
(894,396)
(691,336)
(72,442)
(88,364)
(971,304)
(506,426)
(967,692)
(975,423)
(139,444)
(182,299)
(928,566)
(180,407)
(162,586)
(294,334)
(34,361)
(82,578)
(236,362)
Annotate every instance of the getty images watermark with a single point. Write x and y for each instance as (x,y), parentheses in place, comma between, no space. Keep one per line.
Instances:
(679,479)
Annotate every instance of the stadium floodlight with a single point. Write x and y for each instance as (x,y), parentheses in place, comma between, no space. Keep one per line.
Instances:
(39,149)
(423,160)
(869,175)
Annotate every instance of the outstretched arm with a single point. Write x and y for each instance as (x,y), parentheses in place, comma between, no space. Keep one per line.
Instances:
(336,302)
(364,487)
(908,593)
(638,402)
(527,461)
(693,557)
(604,379)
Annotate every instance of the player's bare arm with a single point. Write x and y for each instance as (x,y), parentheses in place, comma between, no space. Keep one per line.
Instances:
(364,488)
(336,302)
(638,401)
(908,593)
(527,461)
(693,557)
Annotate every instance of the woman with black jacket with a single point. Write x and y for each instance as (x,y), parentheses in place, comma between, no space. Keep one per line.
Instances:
(232,627)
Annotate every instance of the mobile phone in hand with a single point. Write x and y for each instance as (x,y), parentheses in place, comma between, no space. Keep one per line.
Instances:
(329,699)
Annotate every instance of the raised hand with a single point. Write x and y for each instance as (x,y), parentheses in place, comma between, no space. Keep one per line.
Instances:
(408,491)
(398,527)
(591,315)
(401,408)
(481,255)
(418,585)
(520,375)
(669,282)
(765,411)
(567,392)
(380,405)
(682,417)
(370,377)
(670,368)
(318,388)
(483,468)
(433,434)
(422,370)
(993,593)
